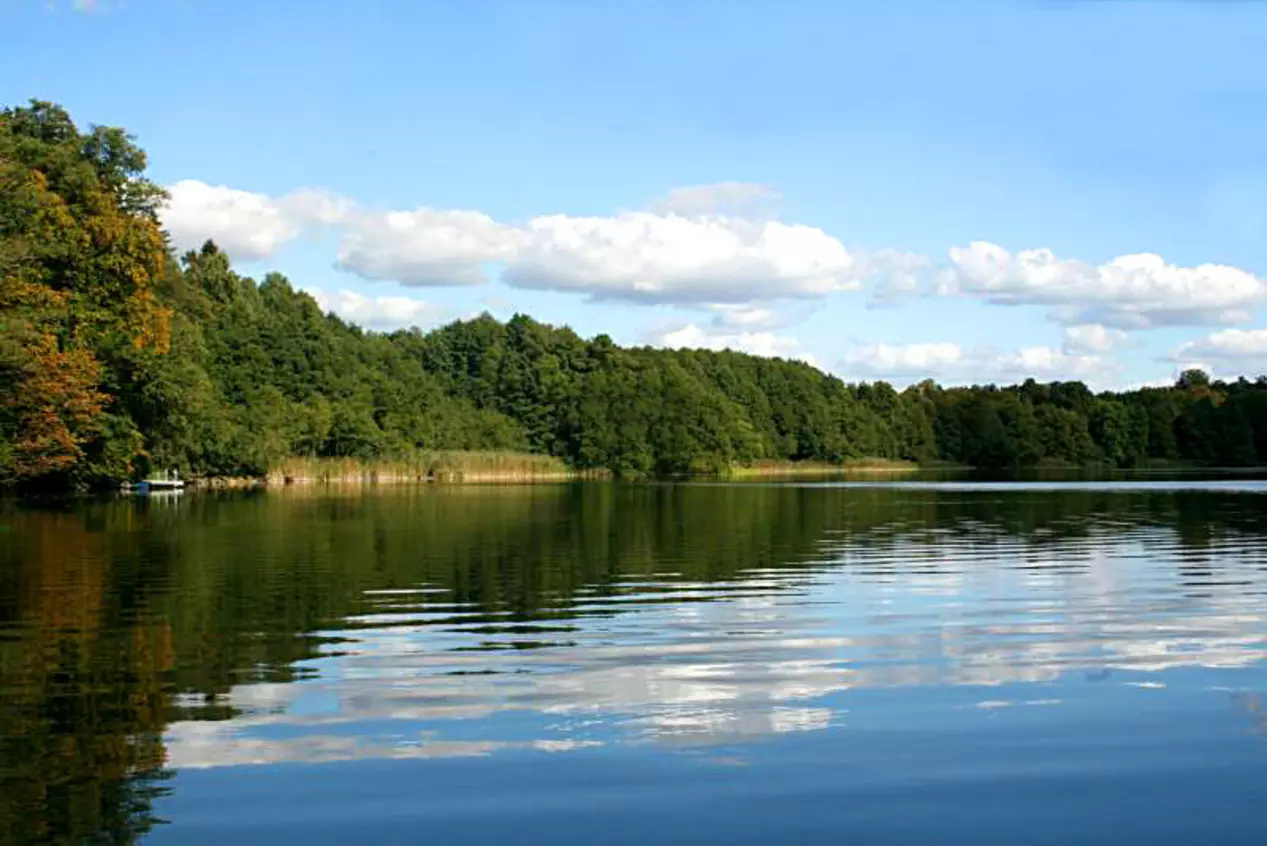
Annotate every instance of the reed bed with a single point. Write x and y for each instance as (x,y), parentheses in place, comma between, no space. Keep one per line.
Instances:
(759,469)
(441,466)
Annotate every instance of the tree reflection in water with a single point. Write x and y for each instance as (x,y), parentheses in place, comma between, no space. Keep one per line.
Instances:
(123,622)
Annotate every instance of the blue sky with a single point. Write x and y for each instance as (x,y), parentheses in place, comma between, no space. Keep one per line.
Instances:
(800,178)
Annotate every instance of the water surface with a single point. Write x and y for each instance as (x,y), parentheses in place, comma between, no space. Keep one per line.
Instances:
(956,663)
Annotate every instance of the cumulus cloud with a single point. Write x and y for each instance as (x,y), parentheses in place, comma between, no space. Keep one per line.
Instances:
(949,362)
(913,360)
(707,246)
(425,247)
(380,313)
(1093,338)
(745,199)
(1231,343)
(649,257)
(246,225)
(311,206)
(1133,291)
(765,343)
(662,256)
(1233,349)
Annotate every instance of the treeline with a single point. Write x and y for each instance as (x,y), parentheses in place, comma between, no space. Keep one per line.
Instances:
(653,411)
(117,357)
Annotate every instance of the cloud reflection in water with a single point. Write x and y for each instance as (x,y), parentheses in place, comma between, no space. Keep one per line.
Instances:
(776,651)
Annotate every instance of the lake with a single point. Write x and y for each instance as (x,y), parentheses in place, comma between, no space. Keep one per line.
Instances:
(608,664)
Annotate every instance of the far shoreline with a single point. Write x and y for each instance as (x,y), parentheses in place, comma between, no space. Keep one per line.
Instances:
(475,469)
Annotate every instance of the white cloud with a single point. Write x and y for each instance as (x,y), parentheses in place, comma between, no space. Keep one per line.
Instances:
(1093,338)
(952,363)
(425,247)
(381,313)
(640,256)
(312,206)
(915,360)
(670,258)
(1229,352)
(1050,363)
(762,343)
(685,252)
(745,199)
(246,225)
(706,246)
(1228,343)
(749,317)
(1133,291)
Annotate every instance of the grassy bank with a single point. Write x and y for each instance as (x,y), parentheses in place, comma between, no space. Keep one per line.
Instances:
(426,467)
(507,467)
(869,466)
(468,467)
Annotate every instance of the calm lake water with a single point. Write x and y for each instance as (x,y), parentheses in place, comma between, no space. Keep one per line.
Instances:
(606,664)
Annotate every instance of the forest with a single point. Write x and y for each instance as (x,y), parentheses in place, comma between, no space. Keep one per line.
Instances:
(118,357)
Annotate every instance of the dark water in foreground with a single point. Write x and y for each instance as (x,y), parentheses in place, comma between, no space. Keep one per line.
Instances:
(592,664)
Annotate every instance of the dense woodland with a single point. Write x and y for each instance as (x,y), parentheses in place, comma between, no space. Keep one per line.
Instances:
(117,357)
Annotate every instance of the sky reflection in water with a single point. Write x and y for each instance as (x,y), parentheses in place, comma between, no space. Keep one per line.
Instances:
(603,663)
(669,661)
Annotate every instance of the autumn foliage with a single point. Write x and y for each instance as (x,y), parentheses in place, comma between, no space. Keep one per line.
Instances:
(56,404)
(80,252)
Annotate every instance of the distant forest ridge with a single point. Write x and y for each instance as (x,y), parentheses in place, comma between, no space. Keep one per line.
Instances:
(117,357)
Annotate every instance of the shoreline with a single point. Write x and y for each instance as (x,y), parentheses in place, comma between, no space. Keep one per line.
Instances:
(308,473)
(278,481)
(862,466)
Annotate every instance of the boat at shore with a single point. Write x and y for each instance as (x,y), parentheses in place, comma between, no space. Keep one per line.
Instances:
(169,481)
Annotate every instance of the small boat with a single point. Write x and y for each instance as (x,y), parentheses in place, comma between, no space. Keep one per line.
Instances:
(168,481)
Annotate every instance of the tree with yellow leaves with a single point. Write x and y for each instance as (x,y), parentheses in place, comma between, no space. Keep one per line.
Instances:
(80,251)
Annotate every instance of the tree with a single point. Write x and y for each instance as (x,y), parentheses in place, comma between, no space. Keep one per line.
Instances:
(54,406)
(80,250)
(1194,378)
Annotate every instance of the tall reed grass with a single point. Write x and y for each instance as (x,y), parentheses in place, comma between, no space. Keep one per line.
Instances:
(440,466)
(759,469)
